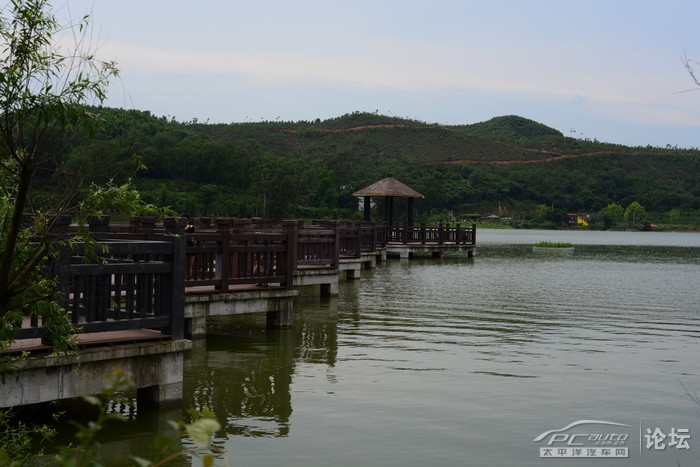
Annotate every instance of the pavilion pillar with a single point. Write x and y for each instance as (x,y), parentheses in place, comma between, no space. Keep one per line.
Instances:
(368,207)
(389,209)
(410,211)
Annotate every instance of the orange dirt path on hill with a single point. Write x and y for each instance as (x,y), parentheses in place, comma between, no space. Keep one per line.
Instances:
(554,155)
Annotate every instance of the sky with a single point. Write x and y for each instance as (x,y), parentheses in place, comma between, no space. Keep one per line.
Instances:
(610,70)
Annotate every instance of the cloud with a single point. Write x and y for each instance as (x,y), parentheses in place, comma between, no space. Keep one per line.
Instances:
(639,94)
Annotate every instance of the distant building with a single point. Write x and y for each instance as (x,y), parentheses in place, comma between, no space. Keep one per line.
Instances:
(579,221)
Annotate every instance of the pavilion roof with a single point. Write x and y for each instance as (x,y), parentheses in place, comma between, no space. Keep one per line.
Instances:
(386,187)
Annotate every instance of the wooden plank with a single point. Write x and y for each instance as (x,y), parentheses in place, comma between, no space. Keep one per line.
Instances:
(89,339)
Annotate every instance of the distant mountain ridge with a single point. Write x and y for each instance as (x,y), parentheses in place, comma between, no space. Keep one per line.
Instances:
(503,139)
(311,168)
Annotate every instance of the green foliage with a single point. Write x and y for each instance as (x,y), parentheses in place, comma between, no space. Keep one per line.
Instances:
(675,216)
(86,451)
(44,97)
(19,440)
(290,169)
(122,198)
(611,215)
(546,244)
(635,213)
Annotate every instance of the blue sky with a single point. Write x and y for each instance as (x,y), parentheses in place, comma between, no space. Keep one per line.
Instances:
(601,69)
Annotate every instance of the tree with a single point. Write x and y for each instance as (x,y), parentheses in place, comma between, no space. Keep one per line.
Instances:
(542,212)
(43,91)
(611,214)
(675,216)
(634,213)
(324,193)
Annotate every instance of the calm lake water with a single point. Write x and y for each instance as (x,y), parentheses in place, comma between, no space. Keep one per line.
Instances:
(456,361)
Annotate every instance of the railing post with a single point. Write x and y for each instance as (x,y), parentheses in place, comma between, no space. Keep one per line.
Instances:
(375,235)
(204,223)
(336,244)
(223,256)
(292,227)
(148,227)
(61,269)
(291,264)
(99,227)
(175,296)
(59,226)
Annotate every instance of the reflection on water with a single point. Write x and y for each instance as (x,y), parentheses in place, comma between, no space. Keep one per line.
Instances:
(244,373)
(462,361)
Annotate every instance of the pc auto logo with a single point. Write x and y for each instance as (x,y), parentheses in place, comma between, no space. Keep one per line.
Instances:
(585,438)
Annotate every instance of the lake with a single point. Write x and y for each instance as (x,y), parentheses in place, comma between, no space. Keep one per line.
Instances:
(456,361)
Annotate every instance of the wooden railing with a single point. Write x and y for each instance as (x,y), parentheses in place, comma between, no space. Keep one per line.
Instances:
(356,237)
(432,235)
(140,272)
(317,247)
(120,285)
(222,259)
(224,252)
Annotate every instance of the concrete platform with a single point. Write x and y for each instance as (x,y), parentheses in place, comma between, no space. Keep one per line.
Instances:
(154,367)
(277,303)
(326,278)
(351,268)
(409,250)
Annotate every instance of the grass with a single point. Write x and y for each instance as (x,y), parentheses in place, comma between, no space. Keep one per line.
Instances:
(554,245)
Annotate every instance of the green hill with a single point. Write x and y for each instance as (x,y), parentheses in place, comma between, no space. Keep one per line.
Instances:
(311,168)
(510,128)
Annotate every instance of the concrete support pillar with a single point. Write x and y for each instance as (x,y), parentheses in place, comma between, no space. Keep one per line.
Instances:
(196,327)
(159,396)
(330,289)
(281,318)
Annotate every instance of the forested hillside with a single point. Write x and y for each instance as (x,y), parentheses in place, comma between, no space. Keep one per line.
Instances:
(311,169)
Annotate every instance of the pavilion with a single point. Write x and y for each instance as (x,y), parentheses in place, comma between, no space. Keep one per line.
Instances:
(388,188)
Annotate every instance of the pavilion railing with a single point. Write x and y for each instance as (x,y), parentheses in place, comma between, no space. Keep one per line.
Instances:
(422,234)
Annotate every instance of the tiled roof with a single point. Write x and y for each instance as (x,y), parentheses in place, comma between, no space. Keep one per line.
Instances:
(388,186)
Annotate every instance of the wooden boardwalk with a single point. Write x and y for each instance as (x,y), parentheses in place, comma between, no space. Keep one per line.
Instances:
(147,272)
(153,287)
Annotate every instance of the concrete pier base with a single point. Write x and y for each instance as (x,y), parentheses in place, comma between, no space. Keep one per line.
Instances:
(326,278)
(278,305)
(434,251)
(155,368)
(350,268)
(281,318)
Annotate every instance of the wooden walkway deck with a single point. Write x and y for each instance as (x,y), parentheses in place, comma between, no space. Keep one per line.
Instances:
(91,339)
